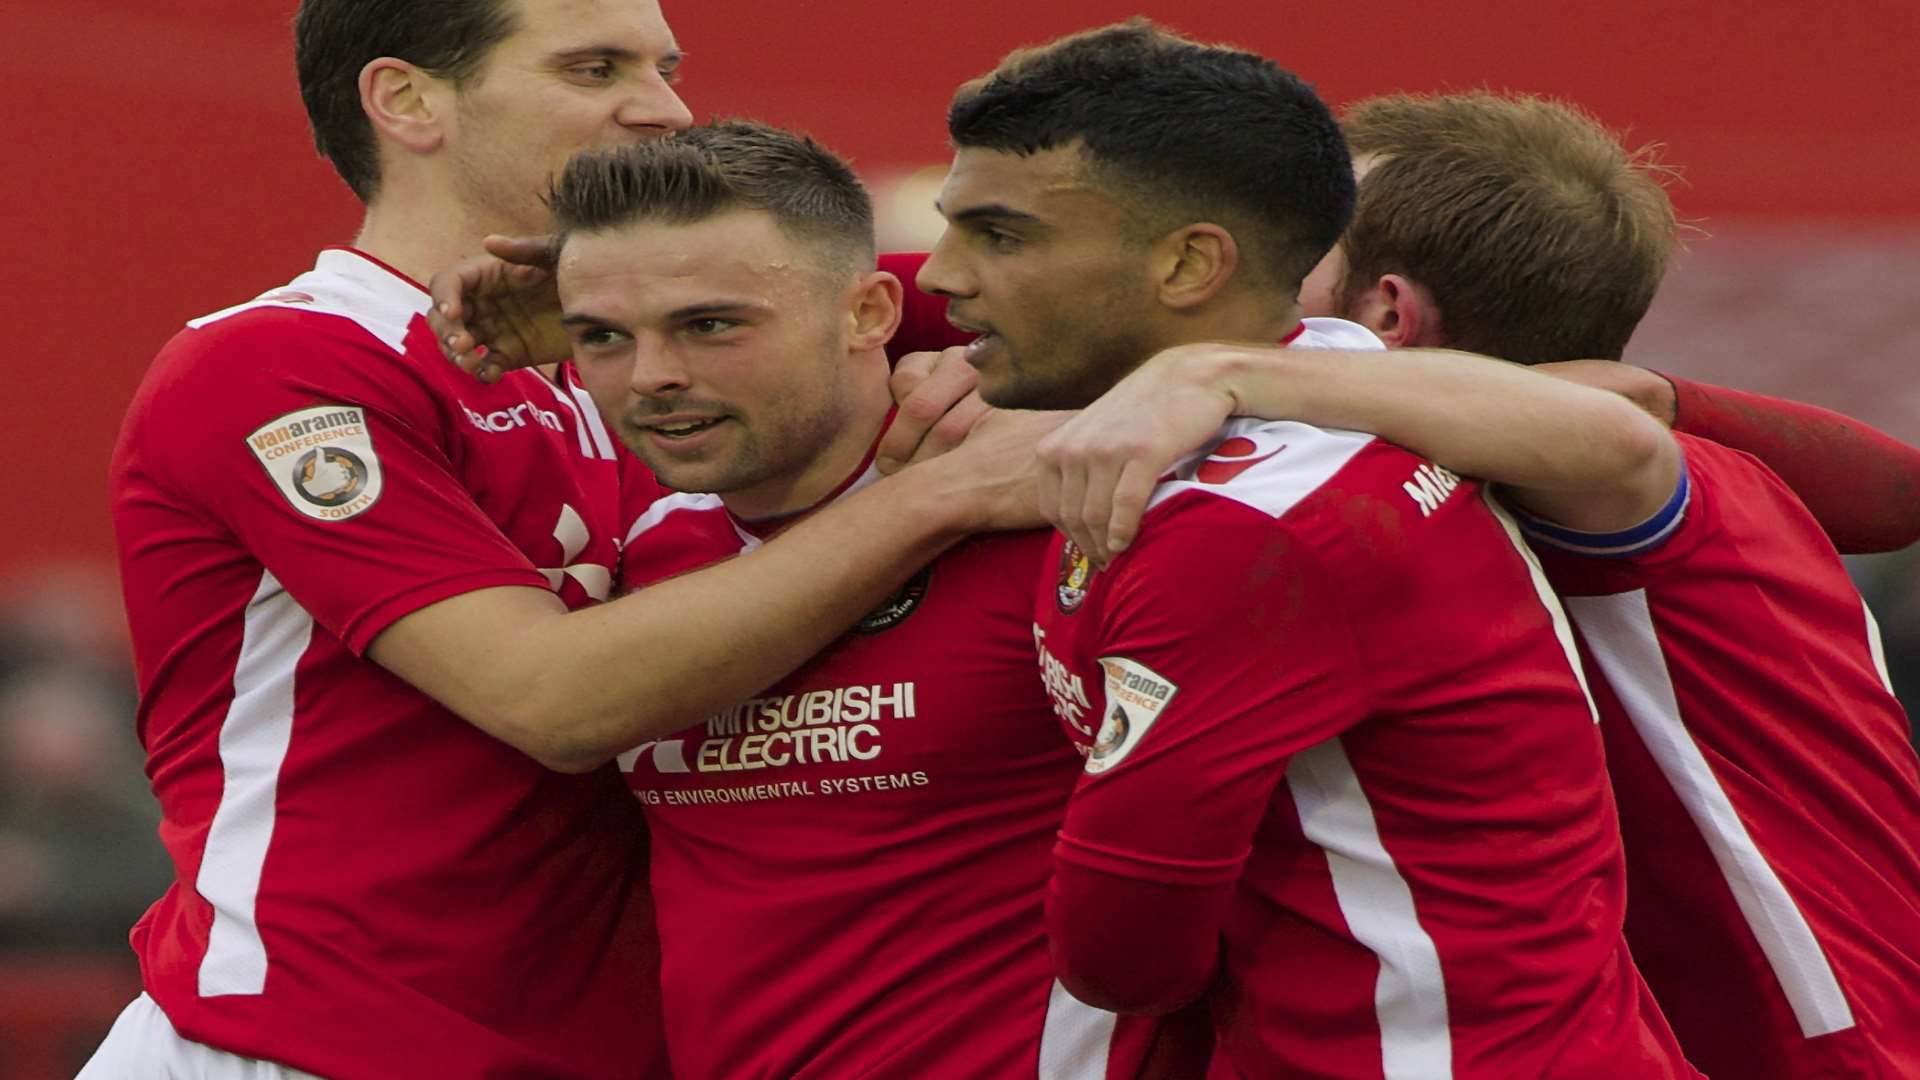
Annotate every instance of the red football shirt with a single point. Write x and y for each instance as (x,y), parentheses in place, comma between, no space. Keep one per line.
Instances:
(1337,739)
(368,885)
(1769,796)
(849,868)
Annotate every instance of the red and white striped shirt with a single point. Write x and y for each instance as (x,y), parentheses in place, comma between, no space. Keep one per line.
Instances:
(368,885)
(1769,796)
(1341,766)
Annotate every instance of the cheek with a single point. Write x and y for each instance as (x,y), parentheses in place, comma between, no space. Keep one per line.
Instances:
(607,381)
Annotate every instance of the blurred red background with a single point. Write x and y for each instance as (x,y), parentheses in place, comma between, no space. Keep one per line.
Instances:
(159,167)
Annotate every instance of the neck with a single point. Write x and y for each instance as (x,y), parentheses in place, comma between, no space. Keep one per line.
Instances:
(1256,317)
(420,232)
(833,467)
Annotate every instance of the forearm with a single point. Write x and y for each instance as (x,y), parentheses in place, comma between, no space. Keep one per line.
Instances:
(573,689)
(1133,946)
(1863,486)
(1582,457)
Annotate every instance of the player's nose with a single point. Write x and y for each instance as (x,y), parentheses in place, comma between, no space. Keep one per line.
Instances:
(650,106)
(657,370)
(944,273)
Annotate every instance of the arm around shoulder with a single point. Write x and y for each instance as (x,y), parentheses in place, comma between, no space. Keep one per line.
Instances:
(574,689)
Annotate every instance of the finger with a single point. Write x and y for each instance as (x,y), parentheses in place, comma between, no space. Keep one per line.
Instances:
(936,414)
(952,429)
(1048,483)
(1132,489)
(947,381)
(523,250)
(909,372)
(1096,511)
(1071,501)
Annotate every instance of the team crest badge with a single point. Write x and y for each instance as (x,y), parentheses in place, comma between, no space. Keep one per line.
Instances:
(322,460)
(898,606)
(1076,570)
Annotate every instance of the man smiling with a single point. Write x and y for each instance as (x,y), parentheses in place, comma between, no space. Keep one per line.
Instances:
(379,695)
(849,866)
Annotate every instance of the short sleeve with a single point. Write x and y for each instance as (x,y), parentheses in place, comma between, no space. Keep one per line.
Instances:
(1224,650)
(326,455)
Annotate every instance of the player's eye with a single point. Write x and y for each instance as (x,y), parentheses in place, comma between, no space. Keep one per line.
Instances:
(601,71)
(599,338)
(999,239)
(710,326)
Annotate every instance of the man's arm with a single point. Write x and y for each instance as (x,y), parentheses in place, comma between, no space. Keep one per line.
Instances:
(573,689)
(1862,485)
(1572,455)
(1157,834)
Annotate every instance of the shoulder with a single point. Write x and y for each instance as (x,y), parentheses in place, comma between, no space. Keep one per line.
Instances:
(335,331)
(674,513)
(342,291)
(1267,493)
(1270,466)
(679,532)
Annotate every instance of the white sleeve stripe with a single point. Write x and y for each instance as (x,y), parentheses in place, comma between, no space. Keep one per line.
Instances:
(254,738)
(1620,631)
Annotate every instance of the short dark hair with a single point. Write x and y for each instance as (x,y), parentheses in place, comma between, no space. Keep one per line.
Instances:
(1180,128)
(334,39)
(1539,235)
(715,168)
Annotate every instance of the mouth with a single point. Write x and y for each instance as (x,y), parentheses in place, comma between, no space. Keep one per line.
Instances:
(677,429)
(985,337)
(682,429)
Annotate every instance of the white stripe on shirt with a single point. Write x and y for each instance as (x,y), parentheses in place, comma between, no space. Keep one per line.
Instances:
(1620,632)
(254,737)
(1076,1038)
(1410,995)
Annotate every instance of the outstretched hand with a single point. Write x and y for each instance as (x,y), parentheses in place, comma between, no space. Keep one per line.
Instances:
(1098,471)
(500,311)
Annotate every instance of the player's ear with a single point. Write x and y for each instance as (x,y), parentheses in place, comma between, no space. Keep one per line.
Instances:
(404,104)
(1400,311)
(1192,264)
(874,310)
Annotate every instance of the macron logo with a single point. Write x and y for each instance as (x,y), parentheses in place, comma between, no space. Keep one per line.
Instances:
(501,420)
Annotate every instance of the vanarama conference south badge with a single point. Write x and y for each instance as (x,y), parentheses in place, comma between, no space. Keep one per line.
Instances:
(321,459)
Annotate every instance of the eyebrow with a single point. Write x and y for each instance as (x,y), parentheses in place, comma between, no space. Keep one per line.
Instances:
(703,310)
(669,59)
(993,211)
(716,307)
(583,319)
